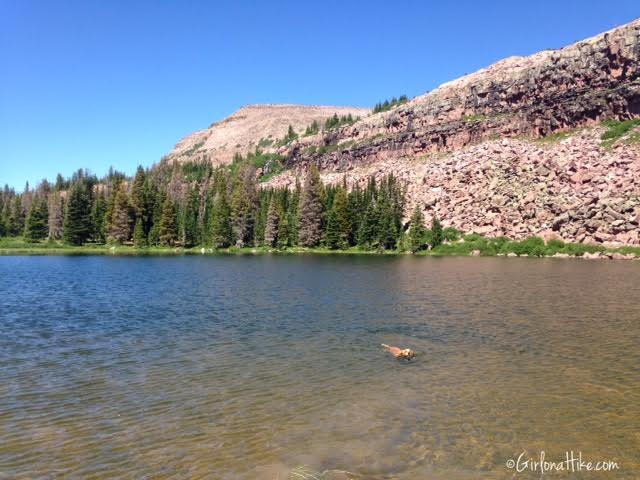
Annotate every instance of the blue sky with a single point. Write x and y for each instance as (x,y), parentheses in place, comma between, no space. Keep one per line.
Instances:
(98,83)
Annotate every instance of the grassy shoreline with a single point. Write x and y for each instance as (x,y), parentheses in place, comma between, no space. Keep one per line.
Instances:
(476,246)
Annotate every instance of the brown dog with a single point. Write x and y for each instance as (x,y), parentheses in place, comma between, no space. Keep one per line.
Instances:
(399,353)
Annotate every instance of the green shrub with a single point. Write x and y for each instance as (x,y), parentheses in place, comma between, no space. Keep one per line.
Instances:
(617,129)
(554,246)
(532,246)
(499,242)
(471,237)
(474,118)
(449,249)
(628,250)
(335,147)
(579,249)
(451,234)
(265,142)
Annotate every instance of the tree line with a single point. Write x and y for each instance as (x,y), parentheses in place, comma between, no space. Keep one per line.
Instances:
(196,204)
(389,104)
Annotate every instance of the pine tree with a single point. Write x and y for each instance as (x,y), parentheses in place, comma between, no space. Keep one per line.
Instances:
(396,196)
(207,226)
(368,230)
(139,238)
(56,215)
(154,232)
(111,202)
(150,201)
(168,228)
(387,233)
(119,230)
(6,214)
(221,227)
(332,231)
(436,232)
(311,209)
(417,231)
(191,232)
(243,206)
(16,218)
(218,184)
(283,232)
(389,213)
(338,227)
(3,228)
(291,135)
(25,200)
(293,224)
(355,212)
(36,225)
(312,129)
(4,200)
(142,201)
(341,207)
(138,200)
(98,213)
(77,220)
(261,218)
(271,228)
(60,183)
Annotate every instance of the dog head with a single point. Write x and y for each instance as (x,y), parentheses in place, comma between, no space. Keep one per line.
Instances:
(408,353)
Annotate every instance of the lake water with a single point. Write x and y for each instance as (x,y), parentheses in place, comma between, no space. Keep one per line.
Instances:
(242,367)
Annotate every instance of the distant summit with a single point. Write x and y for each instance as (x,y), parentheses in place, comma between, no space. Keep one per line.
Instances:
(251,127)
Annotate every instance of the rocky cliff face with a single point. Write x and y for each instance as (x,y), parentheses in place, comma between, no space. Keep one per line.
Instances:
(250,127)
(534,96)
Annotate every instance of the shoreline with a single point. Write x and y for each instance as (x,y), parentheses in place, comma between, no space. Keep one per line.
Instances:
(598,253)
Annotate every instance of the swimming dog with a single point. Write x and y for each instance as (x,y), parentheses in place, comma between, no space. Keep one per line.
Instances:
(399,353)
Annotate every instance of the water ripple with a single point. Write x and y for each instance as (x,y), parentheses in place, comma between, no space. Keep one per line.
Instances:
(246,367)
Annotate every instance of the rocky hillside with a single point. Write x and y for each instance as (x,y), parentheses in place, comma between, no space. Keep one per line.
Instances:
(250,127)
(571,187)
(469,155)
(514,149)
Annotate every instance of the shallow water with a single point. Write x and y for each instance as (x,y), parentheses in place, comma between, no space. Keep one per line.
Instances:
(246,367)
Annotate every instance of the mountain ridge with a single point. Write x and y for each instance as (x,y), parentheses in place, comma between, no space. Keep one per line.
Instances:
(576,188)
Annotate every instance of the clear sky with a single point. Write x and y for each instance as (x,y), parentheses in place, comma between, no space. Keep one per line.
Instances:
(97,83)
